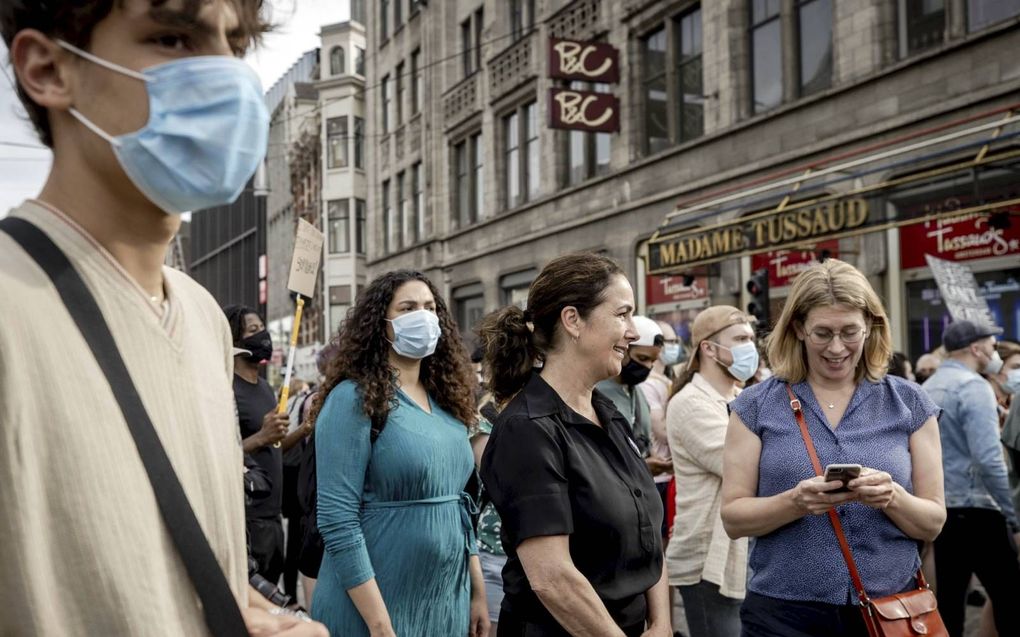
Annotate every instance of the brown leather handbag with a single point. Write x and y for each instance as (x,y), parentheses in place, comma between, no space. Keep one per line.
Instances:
(900,615)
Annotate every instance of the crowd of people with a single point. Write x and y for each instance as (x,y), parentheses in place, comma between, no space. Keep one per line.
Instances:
(572,477)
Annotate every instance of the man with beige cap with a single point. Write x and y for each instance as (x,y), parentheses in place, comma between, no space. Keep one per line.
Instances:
(708,567)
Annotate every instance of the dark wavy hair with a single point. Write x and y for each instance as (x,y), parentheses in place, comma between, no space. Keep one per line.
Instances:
(515,340)
(362,355)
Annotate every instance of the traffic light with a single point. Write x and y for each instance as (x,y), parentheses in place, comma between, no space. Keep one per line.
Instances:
(758,288)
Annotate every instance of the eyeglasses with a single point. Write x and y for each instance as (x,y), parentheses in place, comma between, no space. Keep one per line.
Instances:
(848,336)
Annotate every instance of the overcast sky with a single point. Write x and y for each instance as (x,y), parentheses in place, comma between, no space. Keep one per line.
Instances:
(23,170)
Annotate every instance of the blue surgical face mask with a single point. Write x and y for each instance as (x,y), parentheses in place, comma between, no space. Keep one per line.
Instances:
(745,360)
(671,354)
(1012,384)
(416,334)
(207,131)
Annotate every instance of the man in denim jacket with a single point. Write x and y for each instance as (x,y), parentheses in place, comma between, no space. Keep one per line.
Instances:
(979,534)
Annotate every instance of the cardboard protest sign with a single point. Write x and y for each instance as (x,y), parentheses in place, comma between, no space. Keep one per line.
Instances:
(959,290)
(304,267)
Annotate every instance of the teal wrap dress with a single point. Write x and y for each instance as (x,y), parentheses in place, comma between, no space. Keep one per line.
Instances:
(394,510)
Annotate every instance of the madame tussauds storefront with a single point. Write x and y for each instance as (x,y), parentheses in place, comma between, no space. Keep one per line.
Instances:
(954,195)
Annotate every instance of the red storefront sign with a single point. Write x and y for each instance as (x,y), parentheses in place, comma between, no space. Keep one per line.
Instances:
(584,110)
(662,289)
(959,238)
(583,61)
(785,265)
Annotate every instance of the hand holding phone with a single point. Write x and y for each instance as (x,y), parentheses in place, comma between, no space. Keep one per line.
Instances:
(843,473)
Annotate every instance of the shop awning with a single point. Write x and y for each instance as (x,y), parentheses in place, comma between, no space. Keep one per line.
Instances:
(840,197)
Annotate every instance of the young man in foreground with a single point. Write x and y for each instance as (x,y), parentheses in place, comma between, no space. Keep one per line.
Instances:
(149,113)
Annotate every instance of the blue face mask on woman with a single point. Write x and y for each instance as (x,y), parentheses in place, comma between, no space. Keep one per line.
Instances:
(1012,384)
(745,360)
(207,131)
(416,334)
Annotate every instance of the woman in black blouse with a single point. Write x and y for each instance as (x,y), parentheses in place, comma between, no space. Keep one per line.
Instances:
(580,511)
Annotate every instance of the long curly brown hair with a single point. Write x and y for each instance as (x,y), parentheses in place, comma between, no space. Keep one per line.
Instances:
(362,355)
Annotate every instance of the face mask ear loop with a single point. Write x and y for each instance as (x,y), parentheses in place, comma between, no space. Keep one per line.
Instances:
(95,129)
(104,63)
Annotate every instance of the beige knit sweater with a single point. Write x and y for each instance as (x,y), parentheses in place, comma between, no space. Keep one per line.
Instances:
(83,550)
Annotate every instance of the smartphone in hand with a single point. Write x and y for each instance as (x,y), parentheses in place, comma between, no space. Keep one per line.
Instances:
(842,472)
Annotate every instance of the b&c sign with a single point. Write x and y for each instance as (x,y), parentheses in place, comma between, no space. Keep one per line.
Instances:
(589,111)
(583,61)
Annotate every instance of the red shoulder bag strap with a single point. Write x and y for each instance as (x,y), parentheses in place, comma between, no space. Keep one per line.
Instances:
(836,525)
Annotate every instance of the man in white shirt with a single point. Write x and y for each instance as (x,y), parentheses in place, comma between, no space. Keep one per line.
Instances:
(706,566)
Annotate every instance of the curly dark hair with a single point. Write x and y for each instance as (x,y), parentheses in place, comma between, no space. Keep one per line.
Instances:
(362,355)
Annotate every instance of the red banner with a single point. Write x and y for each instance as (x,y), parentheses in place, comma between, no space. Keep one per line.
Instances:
(660,289)
(959,238)
(583,61)
(785,265)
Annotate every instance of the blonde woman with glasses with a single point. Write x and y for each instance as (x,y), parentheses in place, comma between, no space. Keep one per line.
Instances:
(831,347)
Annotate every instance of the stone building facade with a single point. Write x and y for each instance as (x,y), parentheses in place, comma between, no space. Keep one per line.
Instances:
(470,184)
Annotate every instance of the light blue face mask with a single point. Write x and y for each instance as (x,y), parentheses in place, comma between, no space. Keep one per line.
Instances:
(745,360)
(1012,384)
(207,131)
(672,353)
(416,334)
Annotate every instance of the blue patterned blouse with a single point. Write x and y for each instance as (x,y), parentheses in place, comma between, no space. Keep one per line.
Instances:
(802,561)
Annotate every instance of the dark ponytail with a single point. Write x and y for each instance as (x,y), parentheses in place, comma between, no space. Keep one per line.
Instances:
(509,352)
(516,340)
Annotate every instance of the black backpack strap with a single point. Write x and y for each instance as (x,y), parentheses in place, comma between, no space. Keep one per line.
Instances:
(222,615)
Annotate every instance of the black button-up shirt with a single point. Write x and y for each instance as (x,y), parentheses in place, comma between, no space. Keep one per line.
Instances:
(551,471)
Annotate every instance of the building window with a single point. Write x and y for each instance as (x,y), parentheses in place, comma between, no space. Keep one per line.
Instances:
(766,55)
(398,14)
(514,287)
(478,177)
(339,303)
(655,91)
(984,13)
(339,214)
(359,60)
(400,93)
(587,153)
(522,17)
(471,42)
(416,81)
(690,89)
(814,21)
(468,182)
(336,142)
(512,161)
(360,226)
(418,202)
(336,60)
(521,155)
(531,150)
(386,215)
(466,54)
(403,211)
(384,14)
(469,308)
(386,104)
(922,25)
(359,142)
(358,11)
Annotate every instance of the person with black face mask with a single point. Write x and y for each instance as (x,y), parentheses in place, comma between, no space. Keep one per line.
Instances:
(629,400)
(261,428)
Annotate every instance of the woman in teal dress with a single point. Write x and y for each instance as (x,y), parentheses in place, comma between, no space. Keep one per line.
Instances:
(393,458)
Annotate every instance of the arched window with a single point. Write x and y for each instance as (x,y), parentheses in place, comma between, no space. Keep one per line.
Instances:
(336,60)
